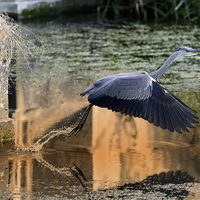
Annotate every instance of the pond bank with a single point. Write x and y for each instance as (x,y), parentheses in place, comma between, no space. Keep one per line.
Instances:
(37,8)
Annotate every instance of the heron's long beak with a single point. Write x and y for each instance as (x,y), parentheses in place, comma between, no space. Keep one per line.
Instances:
(195,51)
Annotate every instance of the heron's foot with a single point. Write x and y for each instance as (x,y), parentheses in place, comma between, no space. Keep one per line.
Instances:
(78,127)
(75,130)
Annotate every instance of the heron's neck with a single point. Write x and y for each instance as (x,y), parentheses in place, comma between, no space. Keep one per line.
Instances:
(157,74)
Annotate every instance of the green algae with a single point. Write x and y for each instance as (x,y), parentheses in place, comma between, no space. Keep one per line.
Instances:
(85,52)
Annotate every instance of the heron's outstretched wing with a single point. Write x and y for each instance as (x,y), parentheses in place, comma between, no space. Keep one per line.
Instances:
(126,86)
(151,102)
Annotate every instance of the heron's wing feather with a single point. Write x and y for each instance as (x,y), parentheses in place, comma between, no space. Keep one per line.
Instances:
(129,87)
(125,86)
(161,108)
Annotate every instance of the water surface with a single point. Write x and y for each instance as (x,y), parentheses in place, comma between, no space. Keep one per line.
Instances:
(111,148)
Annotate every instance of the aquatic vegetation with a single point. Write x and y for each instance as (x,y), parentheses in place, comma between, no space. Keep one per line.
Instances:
(88,52)
(79,54)
(154,10)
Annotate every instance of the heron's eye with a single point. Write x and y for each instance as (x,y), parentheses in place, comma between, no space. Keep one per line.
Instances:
(188,50)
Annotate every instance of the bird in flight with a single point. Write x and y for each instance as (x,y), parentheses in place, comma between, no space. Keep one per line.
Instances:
(139,94)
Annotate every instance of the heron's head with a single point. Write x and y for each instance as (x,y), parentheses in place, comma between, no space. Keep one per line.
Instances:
(186,51)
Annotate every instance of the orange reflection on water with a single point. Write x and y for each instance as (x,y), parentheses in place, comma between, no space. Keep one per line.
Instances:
(130,149)
(113,139)
(21,174)
(112,148)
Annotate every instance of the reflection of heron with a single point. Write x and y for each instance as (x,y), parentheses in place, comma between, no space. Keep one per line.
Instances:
(139,94)
(156,184)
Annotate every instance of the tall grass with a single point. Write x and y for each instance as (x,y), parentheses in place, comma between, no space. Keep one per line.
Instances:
(12,41)
(151,10)
(8,30)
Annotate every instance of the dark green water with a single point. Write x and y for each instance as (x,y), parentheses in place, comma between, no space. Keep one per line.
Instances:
(90,50)
(111,147)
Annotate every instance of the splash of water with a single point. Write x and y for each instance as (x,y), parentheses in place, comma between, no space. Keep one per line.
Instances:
(63,171)
(54,133)
(38,145)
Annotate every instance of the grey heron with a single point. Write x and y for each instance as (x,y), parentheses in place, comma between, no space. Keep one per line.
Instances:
(139,94)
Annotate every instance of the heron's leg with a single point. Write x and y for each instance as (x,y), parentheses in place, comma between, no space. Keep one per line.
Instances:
(75,171)
(80,125)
